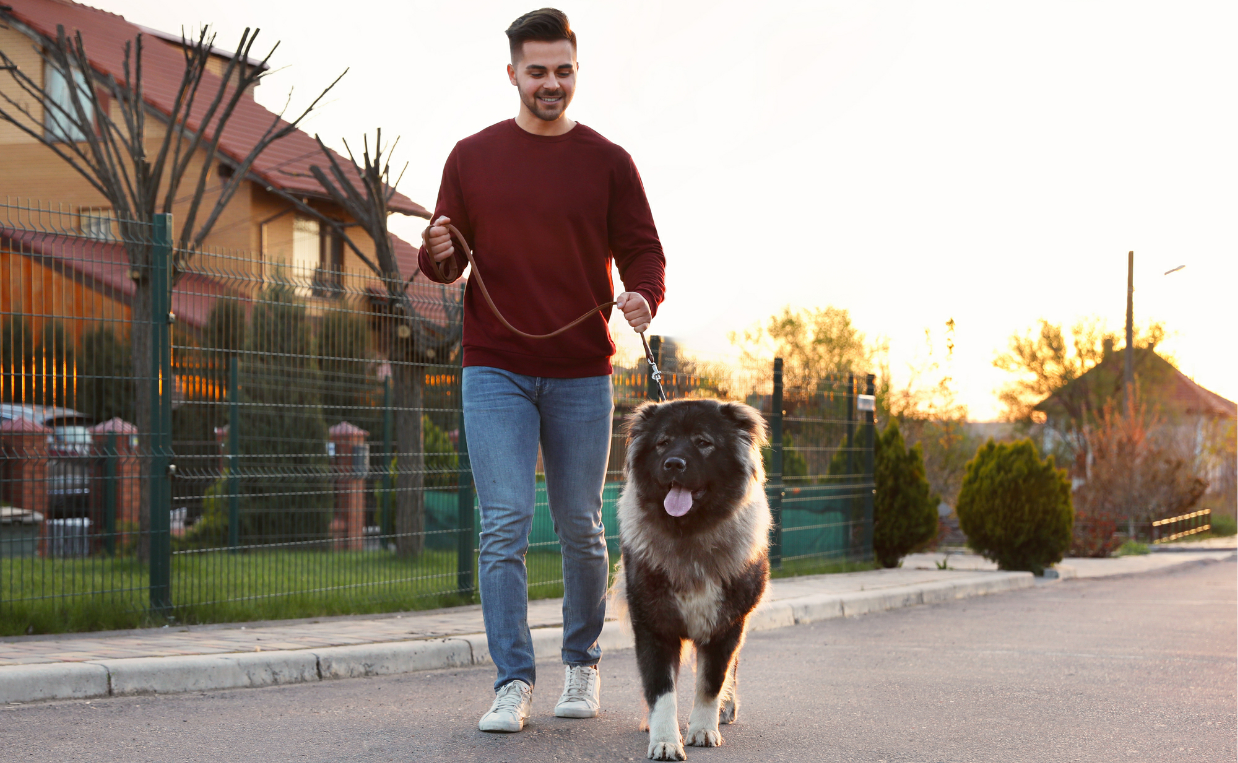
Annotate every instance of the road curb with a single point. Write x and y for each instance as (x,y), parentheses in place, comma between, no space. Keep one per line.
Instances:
(55,680)
(242,670)
(170,675)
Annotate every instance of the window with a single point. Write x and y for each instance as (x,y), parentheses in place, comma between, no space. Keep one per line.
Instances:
(329,280)
(59,114)
(96,223)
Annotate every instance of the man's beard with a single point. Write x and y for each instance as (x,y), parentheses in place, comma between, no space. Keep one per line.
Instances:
(542,111)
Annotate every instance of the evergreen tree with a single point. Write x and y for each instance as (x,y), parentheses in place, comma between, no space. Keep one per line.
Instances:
(105,377)
(283,436)
(1015,508)
(904,507)
(794,465)
(349,390)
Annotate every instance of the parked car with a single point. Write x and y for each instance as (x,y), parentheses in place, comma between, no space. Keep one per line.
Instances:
(70,464)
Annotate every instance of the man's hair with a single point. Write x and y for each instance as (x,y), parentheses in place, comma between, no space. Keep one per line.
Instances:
(544,25)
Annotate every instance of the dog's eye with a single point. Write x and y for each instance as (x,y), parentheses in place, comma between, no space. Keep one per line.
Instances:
(702,443)
(664,442)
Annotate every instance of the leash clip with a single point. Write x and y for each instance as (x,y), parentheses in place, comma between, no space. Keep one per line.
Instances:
(656,374)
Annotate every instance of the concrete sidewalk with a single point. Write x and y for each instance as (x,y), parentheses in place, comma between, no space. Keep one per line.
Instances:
(201,658)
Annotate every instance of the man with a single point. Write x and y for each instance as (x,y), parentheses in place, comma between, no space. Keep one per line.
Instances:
(546,204)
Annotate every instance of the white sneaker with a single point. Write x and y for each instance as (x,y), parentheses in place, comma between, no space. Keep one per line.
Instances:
(581,693)
(512,704)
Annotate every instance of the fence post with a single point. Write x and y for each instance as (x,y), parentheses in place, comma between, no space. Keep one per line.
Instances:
(773,481)
(161,417)
(651,384)
(234,446)
(870,487)
(467,533)
(109,495)
(388,527)
(850,445)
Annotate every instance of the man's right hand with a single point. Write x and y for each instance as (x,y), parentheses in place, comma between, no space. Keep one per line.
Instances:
(438,240)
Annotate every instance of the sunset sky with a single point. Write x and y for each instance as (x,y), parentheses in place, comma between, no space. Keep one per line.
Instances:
(911,162)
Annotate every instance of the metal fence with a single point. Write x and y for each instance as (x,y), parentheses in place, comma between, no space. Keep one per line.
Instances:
(214,436)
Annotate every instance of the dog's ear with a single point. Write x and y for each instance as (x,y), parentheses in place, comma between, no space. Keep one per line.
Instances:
(640,420)
(748,420)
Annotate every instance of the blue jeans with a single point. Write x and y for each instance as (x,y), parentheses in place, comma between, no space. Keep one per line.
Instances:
(506,415)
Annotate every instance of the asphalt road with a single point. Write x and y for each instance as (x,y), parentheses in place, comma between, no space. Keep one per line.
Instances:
(1126,669)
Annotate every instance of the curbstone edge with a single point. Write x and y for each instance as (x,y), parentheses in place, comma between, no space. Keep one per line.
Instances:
(56,680)
(168,675)
(387,658)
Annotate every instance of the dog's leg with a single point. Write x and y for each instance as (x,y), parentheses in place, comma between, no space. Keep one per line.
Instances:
(729,712)
(713,664)
(657,657)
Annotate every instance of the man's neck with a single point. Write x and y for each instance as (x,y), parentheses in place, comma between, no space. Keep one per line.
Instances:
(531,124)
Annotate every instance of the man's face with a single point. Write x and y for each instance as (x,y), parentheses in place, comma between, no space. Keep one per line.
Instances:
(545,75)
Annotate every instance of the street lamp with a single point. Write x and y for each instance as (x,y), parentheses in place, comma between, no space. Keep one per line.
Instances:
(1129,377)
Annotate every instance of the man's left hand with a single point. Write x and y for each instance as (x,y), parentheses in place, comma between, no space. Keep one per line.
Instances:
(635,310)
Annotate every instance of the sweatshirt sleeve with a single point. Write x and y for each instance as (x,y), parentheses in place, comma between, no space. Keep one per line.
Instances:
(634,242)
(450,204)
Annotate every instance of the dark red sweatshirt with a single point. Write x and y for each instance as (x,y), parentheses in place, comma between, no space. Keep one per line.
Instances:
(545,216)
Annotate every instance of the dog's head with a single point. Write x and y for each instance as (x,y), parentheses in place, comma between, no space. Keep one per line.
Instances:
(693,461)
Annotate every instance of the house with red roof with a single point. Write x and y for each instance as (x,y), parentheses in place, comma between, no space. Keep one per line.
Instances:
(58,253)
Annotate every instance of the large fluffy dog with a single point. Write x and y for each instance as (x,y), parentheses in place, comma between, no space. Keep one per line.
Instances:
(694,532)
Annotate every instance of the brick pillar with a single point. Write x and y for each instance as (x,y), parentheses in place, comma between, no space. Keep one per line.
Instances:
(128,469)
(349,466)
(23,449)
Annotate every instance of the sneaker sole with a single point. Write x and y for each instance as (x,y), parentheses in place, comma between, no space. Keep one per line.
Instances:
(574,712)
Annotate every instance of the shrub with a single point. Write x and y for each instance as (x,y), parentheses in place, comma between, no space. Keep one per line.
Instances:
(1095,535)
(1223,525)
(1015,508)
(794,465)
(904,507)
(105,387)
(285,477)
(211,529)
(1133,548)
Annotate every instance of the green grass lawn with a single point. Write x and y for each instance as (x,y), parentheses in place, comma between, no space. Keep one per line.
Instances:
(50,595)
(99,593)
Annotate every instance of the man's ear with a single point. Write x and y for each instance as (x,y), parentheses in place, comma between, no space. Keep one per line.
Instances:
(511,73)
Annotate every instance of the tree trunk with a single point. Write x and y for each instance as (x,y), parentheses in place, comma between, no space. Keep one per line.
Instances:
(141,335)
(410,501)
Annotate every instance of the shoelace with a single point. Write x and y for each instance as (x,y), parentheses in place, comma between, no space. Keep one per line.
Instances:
(510,698)
(580,683)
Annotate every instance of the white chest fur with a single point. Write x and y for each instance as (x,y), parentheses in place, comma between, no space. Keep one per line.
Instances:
(699,609)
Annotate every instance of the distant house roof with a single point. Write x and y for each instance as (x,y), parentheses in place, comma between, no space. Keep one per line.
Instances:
(104,267)
(1160,382)
(284,165)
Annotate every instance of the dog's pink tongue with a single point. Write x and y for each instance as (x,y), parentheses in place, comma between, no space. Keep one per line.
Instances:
(678,501)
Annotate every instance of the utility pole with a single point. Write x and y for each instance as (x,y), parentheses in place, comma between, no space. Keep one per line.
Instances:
(1129,384)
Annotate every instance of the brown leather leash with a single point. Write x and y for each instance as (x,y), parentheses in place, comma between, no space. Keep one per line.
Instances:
(448,272)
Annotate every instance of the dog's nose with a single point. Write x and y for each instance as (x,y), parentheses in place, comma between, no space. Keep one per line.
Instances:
(675,462)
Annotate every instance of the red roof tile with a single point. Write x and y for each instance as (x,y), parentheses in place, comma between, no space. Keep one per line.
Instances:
(285,164)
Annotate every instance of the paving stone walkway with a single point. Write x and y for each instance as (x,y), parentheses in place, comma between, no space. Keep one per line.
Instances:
(918,570)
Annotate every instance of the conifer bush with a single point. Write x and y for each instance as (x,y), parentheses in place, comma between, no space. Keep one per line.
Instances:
(904,507)
(1015,508)
(286,483)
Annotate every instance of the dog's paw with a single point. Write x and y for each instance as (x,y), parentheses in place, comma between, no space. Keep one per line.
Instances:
(664,750)
(729,712)
(704,738)
(644,723)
